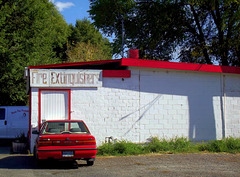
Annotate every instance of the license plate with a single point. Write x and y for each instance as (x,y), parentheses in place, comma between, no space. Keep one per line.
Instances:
(67,142)
(67,154)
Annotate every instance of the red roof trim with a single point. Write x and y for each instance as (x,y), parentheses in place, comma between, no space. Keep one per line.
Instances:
(150,64)
(179,66)
(72,64)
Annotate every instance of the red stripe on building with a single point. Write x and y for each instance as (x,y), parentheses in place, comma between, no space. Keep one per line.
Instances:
(116,73)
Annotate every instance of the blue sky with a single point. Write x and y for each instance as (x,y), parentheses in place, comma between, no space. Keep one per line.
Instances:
(72,9)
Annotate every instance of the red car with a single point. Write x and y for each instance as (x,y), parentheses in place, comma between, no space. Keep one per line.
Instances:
(65,139)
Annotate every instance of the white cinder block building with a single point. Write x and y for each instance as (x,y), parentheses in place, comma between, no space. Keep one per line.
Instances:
(136,99)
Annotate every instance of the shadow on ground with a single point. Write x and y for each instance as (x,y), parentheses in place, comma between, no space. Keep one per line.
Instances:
(28,162)
(25,161)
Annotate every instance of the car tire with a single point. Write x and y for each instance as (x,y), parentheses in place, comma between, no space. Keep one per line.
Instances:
(75,164)
(35,153)
(38,161)
(90,163)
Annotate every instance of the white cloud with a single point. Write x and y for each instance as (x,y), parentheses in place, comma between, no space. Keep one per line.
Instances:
(63,5)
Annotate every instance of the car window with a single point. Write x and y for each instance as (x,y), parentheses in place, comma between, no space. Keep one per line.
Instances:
(83,127)
(64,127)
(2,114)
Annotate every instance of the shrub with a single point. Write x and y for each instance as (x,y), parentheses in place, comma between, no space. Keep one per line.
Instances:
(120,148)
(156,145)
(105,149)
(127,148)
(231,145)
(172,145)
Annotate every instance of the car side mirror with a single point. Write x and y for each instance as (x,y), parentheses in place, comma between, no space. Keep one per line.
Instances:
(35,132)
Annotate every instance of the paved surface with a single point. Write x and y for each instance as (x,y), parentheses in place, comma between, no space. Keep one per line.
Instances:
(149,165)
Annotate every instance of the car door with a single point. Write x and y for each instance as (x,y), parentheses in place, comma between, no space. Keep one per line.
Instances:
(3,123)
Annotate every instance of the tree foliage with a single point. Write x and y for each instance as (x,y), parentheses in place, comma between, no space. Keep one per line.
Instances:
(204,31)
(212,32)
(85,51)
(86,43)
(32,32)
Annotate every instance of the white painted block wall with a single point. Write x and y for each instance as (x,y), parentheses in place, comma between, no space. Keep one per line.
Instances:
(111,110)
(151,103)
(232,106)
(158,102)
(184,105)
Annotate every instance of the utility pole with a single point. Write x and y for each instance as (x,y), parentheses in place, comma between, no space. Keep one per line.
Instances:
(123,34)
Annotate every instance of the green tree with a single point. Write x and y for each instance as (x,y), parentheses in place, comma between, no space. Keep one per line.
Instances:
(211,32)
(86,43)
(83,51)
(203,31)
(148,25)
(32,32)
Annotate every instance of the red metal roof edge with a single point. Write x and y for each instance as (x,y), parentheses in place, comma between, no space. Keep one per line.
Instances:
(58,65)
(179,66)
(151,64)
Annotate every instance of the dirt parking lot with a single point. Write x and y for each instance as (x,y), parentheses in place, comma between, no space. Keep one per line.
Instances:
(149,165)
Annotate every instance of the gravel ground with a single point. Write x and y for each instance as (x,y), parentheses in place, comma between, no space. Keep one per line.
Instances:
(148,165)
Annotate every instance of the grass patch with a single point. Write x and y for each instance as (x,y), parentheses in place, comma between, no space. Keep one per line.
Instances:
(120,148)
(175,145)
(229,145)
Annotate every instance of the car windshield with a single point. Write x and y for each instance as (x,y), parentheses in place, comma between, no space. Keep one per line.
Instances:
(64,127)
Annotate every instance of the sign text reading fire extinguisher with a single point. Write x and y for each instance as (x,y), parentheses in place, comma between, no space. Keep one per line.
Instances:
(65,78)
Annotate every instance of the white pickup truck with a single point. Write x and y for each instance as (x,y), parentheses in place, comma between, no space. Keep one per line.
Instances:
(14,120)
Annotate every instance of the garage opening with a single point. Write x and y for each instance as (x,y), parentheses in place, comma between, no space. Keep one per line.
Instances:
(54,105)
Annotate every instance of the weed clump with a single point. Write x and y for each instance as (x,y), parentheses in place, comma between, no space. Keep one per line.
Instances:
(230,145)
(175,145)
(120,148)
